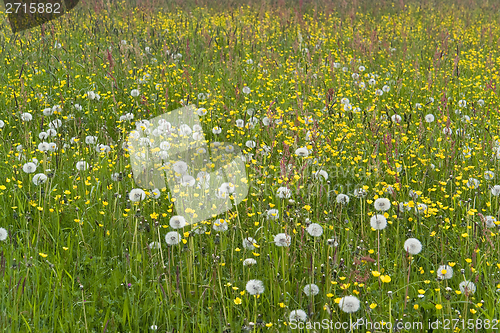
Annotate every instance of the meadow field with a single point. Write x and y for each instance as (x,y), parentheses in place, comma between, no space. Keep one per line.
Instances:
(369,136)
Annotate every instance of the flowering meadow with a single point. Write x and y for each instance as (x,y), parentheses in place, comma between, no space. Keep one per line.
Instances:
(369,137)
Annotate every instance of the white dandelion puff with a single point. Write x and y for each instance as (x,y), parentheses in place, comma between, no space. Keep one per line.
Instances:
(56,123)
(495,190)
(284,192)
(344,100)
(250,144)
(467,287)
(404,207)
(444,272)
(188,180)
(39,178)
(81,165)
(240,123)
(177,222)
(420,208)
(248,243)
(360,192)
(220,225)
(332,242)
(297,315)
(382,204)
(255,287)
(302,152)
(447,131)
(396,118)
(273,214)
(489,175)
(51,132)
(311,289)
(201,111)
(3,234)
(29,167)
(26,116)
(429,118)
(249,262)
(490,221)
(349,304)
(321,173)
(282,240)
(155,193)
(91,140)
(172,238)
(473,183)
(180,167)
(43,147)
(413,246)
(378,222)
(315,230)
(342,199)
(154,245)
(136,195)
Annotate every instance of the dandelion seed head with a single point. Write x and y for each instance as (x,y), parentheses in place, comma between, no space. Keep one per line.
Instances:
(378,222)
(81,165)
(429,118)
(342,199)
(39,178)
(172,238)
(248,243)
(284,192)
(249,262)
(29,167)
(495,190)
(3,234)
(220,225)
(311,289)
(282,240)
(382,204)
(444,272)
(467,288)
(302,152)
(314,229)
(273,214)
(136,195)
(177,222)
